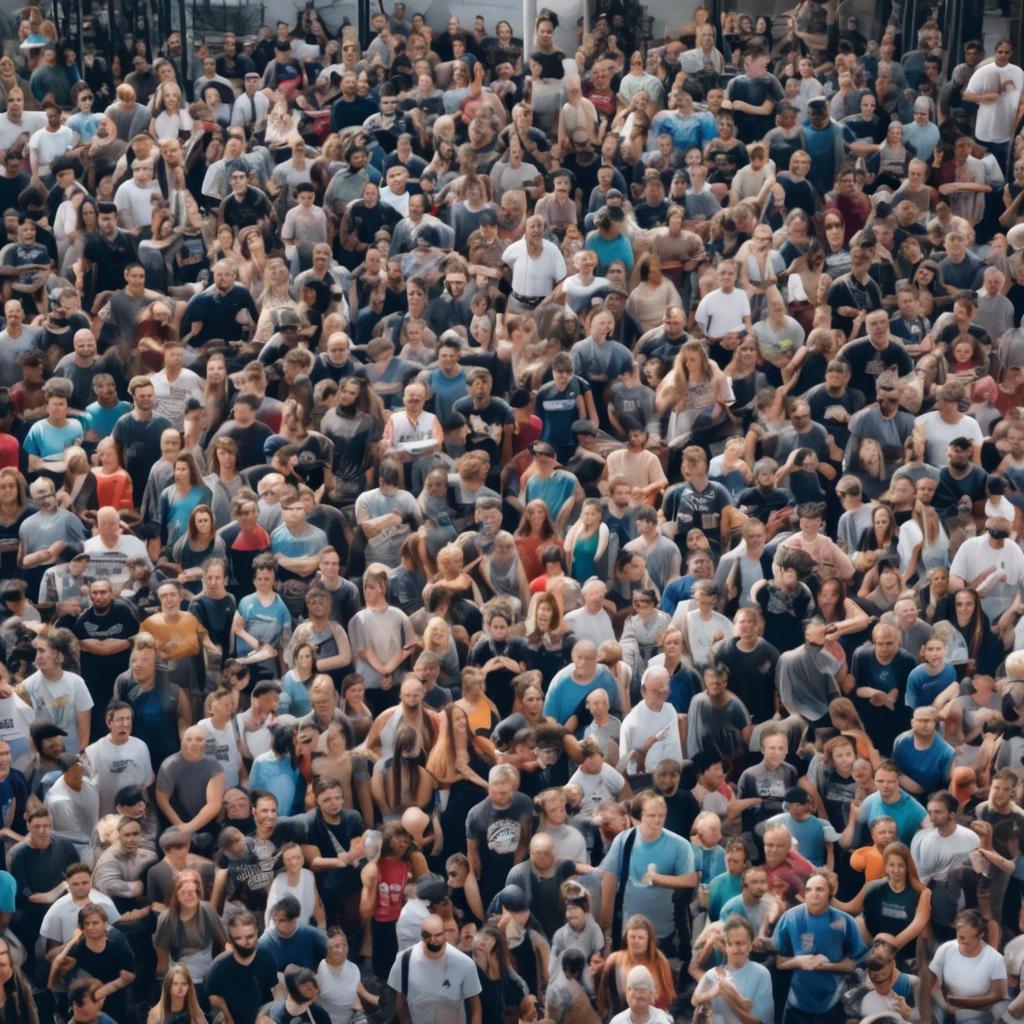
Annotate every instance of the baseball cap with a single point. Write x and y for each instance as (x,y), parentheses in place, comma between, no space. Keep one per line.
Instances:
(287,318)
(488,219)
(40,731)
(818,101)
(432,888)
(510,898)
(584,427)
(796,795)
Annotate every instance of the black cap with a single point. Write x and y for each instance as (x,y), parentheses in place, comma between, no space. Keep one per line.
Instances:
(796,795)
(488,219)
(584,427)
(432,888)
(40,731)
(510,898)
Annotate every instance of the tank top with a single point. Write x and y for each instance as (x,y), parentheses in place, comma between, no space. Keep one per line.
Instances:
(391,878)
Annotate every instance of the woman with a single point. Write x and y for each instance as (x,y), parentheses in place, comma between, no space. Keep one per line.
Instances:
(223,480)
(527,705)
(353,703)
(170,120)
(262,617)
(697,395)
(844,619)
(639,948)
(113,485)
(252,259)
(189,932)
(896,908)
(78,492)
(439,640)
(889,164)
(547,636)
(14,510)
(641,631)
(178,1003)
(502,990)
(927,286)
(301,990)
(844,717)
(837,255)
(879,541)
(967,972)
(100,952)
(977,648)
(277,771)
(923,544)
(481,712)
(868,466)
(179,499)
(86,223)
(779,336)
(652,293)
(383,893)
(295,685)
(67,222)
(830,780)
(199,543)
(217,391)
(535,532)
(402,780)
(16,1001)
(294,879)
(590,547)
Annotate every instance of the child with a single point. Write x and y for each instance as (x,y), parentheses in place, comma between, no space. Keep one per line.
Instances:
(580,930)
(814,836)
(928,680)
(598,781)
(870,860)
(706,840)
(966,357)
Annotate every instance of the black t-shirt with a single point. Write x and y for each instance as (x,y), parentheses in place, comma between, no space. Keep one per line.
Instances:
(866,362)
(825,407)
(486,426)
(109,260)
(243,987)
(140,442)
(753,127)
(250,441)
(216,614)
(353,437)
(100,670)
(888,911)
(751,675)
(244,212)
(241,555)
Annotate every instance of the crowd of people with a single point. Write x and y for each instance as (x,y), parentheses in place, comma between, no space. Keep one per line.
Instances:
(489,534)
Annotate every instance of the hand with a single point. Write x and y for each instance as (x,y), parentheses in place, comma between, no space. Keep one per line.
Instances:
(356,851)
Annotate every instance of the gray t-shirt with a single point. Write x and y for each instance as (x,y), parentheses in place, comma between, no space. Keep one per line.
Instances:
(437,990)
(41,530)
(10,348)
(384,632)
(387,544)
(186,782)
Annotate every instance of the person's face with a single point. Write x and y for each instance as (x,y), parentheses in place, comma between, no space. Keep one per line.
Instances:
(129,838)
(284,926)
(888,785)
(193,745)
(652,820)
(120,725)
(39,830)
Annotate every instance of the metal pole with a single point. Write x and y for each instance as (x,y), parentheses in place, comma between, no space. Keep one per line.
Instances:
(185,68)
(529,17)
(111,22)
(81,38)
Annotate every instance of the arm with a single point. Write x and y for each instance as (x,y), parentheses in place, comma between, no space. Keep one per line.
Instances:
(212,807)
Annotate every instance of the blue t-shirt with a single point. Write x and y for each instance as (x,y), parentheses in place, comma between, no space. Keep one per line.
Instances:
(102,420)
(306,947)
(811,834)
(906,812)
(720,891)
(923,687)
(710,863)
(8,892)
(671,855)
(557,412)
(265,623)
(753,981)
(281,779)
(554,490)
(929,768)
(565,696)
(48,442)
(294,698)
(832,934)
(447,391)
(284,542)
(609,249)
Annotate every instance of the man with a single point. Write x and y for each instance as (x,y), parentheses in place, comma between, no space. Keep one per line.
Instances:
(138,433)
(877,683)
(742,567)
(924,758)
(16,339)
(26,266)
(890,801)
(812,540)
(412,435)
(536,266)
(80,367)
(960,270)
(38,865)
(104,630)
(993,565)
(541,877)
(752,95)
(821,946)
(134,200)
(947,422)
(996,88)
(16,122)
(410,713)
(225,310)
(882,421)
(47,537)
(120,873)
(247,431)
(433,982)
(806,677)
(160,878)
(497,830)
(174,385)
(290,941)
(190,786)
(856,299)
(753,902)
(48,439)
(109,551)
(591,622)
(387,515)
(241,980)
(962,487)
(725,309)
(107,256)
(656,860)
(750,661)
(825,142)
(61,919)
(118,759)
(652,731)
(251,107)
(698,503)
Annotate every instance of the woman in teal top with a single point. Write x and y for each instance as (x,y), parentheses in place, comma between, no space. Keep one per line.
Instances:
(590,546)
(608,241)
(180,498)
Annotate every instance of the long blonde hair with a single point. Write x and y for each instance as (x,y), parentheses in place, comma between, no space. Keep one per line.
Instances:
(162,1012)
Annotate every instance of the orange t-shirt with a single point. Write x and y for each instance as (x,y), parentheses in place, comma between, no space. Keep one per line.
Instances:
(870,861)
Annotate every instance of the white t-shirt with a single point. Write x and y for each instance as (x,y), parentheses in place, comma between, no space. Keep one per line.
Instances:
(109,563)
(61,919)
(967,976)
(114,767)
(938,433)
(975,555)
(437,989)
(569,842)
(996,121)
(719,313)
(16,717)
(31,122)
(338,991)
(221,744)
(534,277)
(137,202)
(304,892)
(642,722)
(596,628)
(700,634)
(49,145)
(59,702)
(171,398)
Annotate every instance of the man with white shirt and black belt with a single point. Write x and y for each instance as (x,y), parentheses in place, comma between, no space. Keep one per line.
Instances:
(650,732)
(536,266)
(726,309)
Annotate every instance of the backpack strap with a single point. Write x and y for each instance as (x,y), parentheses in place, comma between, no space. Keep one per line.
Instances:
(404,959)
(620,892)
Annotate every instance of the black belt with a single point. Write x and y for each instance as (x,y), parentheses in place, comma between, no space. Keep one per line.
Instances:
(529,301)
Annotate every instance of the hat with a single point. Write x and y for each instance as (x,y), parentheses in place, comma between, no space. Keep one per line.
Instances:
(287,318)
(511,898)
(785,105)
(584,427)
(796,795)
(34,41)
(613,193)
(963,783)
(252,74)
(923,103)
(818,101)
(488,219)
(432,888)
(40,731)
